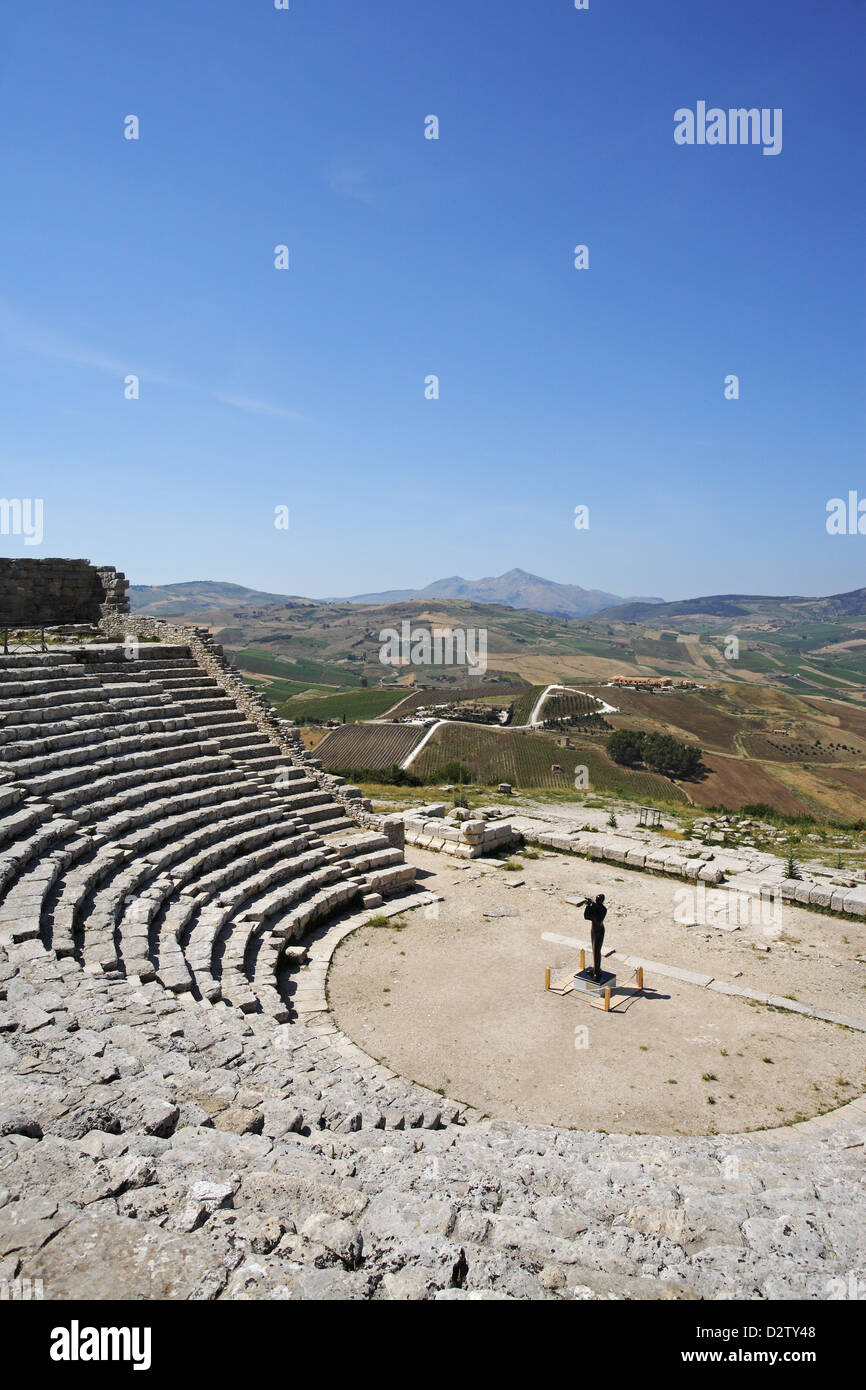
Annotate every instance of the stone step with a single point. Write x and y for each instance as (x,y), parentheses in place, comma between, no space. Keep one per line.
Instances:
(23,686)
(182,860)
(251,897)
(21,853)
(152,828)
(133,784)
(13,826)
(44,754)
(184,832)
(161,749)
(185,791)
(33,661)
(216,702)
(107,717)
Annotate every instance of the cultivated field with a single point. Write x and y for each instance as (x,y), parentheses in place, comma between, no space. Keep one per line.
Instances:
(733,783)
(295,668)
(788,710)
(528,760)
(569,706)
(350,705)
(499,692)
(525,704)
(696,715)
(374,746)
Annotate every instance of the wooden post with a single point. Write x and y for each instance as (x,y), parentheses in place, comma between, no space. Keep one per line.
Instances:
(583,960)
(607,999)
(640,977)
(547,978)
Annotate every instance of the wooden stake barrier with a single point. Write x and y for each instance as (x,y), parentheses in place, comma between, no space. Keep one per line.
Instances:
(565,986)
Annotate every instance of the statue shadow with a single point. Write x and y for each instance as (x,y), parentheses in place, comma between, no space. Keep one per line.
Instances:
(624,996)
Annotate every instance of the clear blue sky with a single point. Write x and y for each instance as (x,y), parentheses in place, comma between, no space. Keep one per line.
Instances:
(305,388)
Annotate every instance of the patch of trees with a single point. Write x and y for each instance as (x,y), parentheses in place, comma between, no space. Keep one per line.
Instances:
(453,772)
(658,752)
(397,776)
(586,723)
(393,776)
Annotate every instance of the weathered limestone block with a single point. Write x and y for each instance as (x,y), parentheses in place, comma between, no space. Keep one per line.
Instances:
(820,895)
(472,831)
(855,902)
(393,830)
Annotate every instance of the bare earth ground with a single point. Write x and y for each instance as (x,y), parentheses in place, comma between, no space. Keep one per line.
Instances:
(458,1003)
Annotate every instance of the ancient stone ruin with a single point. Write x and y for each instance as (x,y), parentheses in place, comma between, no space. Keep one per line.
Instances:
(180,1115)
(48,592)
(459,833)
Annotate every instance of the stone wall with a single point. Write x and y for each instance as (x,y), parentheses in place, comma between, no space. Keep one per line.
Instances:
(458,832)
(48,592)
(114,589)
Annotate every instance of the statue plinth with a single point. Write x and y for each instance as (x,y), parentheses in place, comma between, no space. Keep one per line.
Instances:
(586,982)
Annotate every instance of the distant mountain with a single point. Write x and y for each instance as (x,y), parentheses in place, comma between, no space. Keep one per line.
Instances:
(199,596)
(516,589)
(791,607)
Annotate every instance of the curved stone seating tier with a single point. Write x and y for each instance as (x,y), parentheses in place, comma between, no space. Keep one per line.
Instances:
(17,662)
(20,853)
(216,871)
(27,683)
(20,741)
(202,848)
(159,750)
(17,823)
(222,894)
(150,832)
(136,783)
(39,756)
(250,890)
(133,837)
(152,737)
(165,671)
(165,784)
(10,795)
(150,829)
(22,907)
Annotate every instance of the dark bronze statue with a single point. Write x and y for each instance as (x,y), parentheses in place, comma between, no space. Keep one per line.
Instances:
(595,912)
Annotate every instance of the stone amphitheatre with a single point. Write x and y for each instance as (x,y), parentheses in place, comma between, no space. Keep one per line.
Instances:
(258,1041)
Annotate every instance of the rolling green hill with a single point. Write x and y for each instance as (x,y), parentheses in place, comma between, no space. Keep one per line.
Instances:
(198,596)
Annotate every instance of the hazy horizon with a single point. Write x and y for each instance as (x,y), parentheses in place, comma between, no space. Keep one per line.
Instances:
(338,598)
